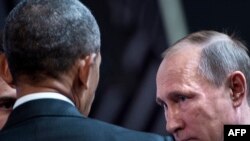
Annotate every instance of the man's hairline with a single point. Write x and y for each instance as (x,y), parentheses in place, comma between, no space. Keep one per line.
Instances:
(203,45)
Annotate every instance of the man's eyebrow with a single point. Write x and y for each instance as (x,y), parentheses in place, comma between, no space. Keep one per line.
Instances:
(171,94)
(175,93)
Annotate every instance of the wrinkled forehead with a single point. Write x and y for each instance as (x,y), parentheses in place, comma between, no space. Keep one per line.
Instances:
(180,63)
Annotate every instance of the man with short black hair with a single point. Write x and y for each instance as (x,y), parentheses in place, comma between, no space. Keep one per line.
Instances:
(53,52)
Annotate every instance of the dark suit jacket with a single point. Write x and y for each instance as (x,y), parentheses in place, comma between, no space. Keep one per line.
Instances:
(56,120)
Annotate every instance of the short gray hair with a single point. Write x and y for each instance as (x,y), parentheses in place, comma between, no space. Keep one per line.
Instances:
(220,55)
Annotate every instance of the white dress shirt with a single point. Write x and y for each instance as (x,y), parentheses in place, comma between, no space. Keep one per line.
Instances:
(41,95)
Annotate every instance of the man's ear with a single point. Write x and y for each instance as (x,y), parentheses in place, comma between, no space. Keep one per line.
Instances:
(4,70)
(238,85)
(85,69)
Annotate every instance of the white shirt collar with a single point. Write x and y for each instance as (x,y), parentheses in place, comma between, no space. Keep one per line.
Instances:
(41,95)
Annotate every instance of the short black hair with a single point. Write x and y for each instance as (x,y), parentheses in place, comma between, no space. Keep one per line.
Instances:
(46,37)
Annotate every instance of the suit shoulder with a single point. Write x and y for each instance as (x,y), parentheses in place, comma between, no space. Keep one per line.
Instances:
(121,132)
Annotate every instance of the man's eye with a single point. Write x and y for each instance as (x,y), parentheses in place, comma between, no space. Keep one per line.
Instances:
(7,104)
(182,98)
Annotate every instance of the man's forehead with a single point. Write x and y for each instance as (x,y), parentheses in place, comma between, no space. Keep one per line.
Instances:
(188,58)
(184,48)
(180,65)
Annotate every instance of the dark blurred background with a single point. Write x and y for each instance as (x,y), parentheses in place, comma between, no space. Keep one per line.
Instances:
(134,34)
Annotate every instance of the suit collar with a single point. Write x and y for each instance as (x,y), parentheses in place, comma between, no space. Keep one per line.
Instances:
(41,107)
(41,95)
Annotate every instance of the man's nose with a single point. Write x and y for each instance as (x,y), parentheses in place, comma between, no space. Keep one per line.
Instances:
(174,121)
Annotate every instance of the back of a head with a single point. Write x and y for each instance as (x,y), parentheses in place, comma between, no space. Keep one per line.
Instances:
(46,37)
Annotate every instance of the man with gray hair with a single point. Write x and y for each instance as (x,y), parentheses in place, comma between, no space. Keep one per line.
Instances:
(53,51)
(203,83)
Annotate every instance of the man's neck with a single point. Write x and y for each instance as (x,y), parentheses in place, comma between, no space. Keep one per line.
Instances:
(46,86)
(41,95)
